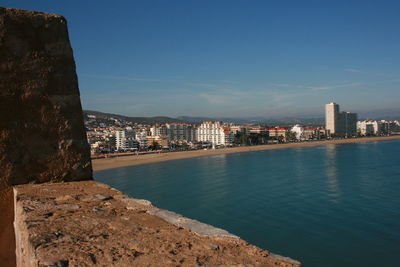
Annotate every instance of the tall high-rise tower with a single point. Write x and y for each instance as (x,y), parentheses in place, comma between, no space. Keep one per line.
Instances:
(342,124)
(331,117)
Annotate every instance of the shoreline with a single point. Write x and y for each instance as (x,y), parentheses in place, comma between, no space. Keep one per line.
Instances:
(134,160)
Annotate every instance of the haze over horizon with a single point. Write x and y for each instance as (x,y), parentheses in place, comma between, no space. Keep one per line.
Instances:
(233,58)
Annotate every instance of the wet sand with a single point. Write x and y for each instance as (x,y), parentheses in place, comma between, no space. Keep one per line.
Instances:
(117,162)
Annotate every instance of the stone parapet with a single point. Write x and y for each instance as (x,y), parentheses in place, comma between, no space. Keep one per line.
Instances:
(92,224)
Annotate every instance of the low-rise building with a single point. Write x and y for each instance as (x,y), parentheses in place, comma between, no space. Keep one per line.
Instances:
(314,133)
(161,140)
(279,132)
(258,130)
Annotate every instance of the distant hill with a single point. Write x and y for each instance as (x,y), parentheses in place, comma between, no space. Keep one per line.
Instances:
(198,120)
(258,120)
(382,114)
(201,119)
(292,121)
(139,120)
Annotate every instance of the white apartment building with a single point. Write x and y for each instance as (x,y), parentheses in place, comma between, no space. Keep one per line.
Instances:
(331,117)
(141,137)
(159,130)
(365,127)
(125,139)
(214,132)
(120,140)
(368,127)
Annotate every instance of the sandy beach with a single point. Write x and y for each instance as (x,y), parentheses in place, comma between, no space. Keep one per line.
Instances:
(116,162)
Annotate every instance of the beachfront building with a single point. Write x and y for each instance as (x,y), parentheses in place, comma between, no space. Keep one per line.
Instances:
(131,144)
(257,129)
(315,133)
(340,124)
(236,129)
(141,137)
(385,127)
(331,117)
(349,123)
(308,133)
(125,140)
(229,136)
(279,133)
(365,127)
(120,140)
(181,131)
(159,130)
(373,127)
(161,140)
(214,132)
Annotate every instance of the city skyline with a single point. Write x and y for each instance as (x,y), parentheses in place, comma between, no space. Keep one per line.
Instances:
(232,59)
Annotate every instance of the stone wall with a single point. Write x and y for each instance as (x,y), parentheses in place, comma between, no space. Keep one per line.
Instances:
(42,135)
(7,236)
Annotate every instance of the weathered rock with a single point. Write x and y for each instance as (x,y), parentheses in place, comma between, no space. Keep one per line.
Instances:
(97,234)
(7,237)
(42,135)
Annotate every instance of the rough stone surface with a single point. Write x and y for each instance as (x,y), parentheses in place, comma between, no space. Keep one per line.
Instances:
(54,227)
(42,136)
(7,237)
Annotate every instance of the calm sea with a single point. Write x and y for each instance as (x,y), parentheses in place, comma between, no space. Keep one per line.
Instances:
(331,205)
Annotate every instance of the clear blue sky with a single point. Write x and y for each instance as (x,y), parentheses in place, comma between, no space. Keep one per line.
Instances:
(232,58)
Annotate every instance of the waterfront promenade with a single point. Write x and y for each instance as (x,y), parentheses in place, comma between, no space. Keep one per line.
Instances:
(116,162)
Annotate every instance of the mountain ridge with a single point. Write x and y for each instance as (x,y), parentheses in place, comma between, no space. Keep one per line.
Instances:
(304,120)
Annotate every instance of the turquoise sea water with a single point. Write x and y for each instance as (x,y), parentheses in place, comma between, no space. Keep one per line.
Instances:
(331,205)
